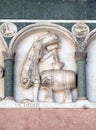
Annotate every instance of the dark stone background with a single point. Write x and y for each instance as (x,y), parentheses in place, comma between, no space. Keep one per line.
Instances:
(48,9)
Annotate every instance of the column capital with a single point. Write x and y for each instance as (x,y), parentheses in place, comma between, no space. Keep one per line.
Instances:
(80,31)
(81,53)
(8,55)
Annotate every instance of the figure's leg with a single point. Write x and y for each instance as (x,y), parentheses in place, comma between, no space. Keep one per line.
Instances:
(35,92)
(74,95)
(28,99)
(67,95)
(59,96)
(45,94)
(63,96)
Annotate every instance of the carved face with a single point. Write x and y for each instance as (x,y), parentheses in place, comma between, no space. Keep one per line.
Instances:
(47,78)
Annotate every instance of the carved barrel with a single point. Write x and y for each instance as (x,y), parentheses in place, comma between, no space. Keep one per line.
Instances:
(63,80)
(59,80)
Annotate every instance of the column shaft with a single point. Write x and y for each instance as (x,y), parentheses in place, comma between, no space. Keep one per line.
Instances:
(81,71)
(9,77)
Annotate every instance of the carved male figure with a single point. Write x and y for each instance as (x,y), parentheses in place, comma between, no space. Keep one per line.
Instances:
(44,71)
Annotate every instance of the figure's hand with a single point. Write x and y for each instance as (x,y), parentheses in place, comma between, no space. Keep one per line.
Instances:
(27,83)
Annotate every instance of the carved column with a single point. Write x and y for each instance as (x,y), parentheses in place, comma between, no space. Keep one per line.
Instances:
(81,72)
(80,30)
(9,74)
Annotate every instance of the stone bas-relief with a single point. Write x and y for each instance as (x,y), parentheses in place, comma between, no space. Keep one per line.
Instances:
(51,66)
(80,30)
(43,69)
(8,29)
(45,66)
(3,48)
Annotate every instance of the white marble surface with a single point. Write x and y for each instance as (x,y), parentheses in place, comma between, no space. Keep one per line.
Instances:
(2,48)
(91,71)
(78,104)
(66,55)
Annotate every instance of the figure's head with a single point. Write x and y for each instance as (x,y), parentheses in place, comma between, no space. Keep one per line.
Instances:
(47,78)
(50,41)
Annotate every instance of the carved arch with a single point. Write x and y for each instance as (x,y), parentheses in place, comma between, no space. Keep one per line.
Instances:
(3,44)
(89,37)
(90,42)
(33,27)
(27,32)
